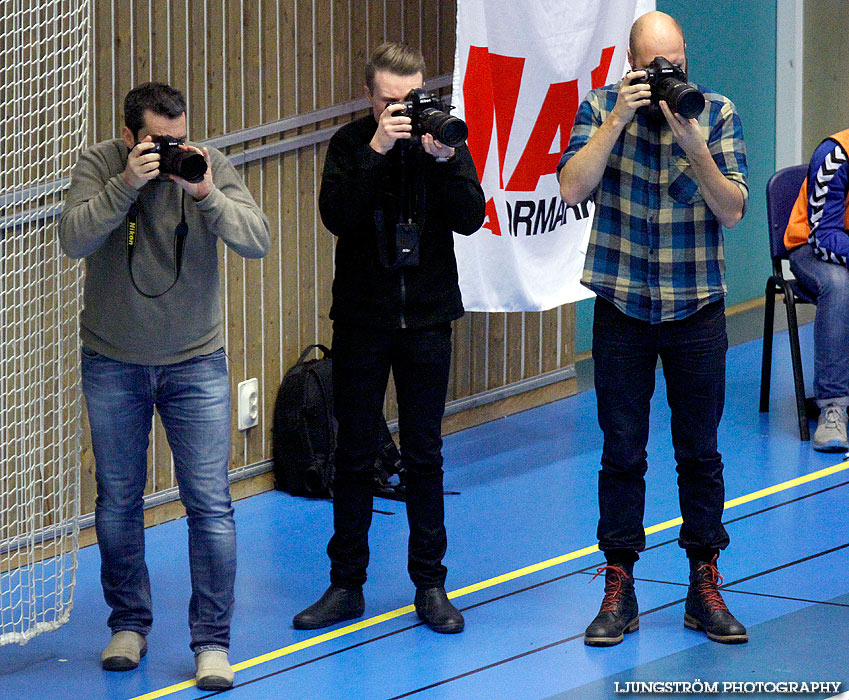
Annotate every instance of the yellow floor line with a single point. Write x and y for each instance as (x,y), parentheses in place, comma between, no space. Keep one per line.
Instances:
(490,582)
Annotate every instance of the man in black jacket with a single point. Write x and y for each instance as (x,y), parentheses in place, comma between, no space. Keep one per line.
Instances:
(393,199)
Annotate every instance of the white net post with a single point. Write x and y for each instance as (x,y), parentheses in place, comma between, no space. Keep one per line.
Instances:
(44,67)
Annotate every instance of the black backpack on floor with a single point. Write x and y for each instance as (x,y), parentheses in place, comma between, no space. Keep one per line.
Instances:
(304,429)
(304,434)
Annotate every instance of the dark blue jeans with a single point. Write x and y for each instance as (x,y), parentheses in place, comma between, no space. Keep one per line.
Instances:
(830,283)
(193,400)
(420,361)
(625,352)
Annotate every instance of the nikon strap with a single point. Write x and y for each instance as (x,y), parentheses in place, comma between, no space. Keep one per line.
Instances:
(412,205)
(179,241)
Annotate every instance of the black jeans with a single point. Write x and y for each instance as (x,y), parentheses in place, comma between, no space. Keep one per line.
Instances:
(420,360)
(625,352)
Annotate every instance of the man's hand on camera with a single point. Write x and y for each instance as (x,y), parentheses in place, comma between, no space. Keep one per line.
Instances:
(435,148)
(687,132)
(390,128)
(142,165)
(198,190)
(633,94)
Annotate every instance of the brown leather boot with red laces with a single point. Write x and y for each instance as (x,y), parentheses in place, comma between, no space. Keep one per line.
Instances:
(705,609)
(619,614)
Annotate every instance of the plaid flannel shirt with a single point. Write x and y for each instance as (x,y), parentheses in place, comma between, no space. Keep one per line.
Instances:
(655,250)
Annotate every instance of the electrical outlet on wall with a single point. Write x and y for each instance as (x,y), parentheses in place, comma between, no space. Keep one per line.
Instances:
(248,403)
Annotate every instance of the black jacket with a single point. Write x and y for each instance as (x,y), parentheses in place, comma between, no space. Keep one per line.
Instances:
(446,197)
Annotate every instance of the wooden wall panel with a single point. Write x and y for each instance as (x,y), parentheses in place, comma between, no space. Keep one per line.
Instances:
(197,94)
(447,24)
(496,340)
(324,278)
(429,27)
(375,28)
(245,63)
(514,346)
(179,40)
(213,79)
(323,47)
(548,339)
(272,301)
(360,46)
(341,49)
(478,352)
(253,323)
(289,255)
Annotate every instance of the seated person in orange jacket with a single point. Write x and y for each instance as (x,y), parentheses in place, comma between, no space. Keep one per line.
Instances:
(818,239)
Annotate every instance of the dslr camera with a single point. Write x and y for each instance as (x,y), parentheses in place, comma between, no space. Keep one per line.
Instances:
(189,165)
(669,83)
(430,115)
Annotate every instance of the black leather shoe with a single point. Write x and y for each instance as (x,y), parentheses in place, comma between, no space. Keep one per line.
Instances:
(705,609)
(337,604)
(437,612)
(619,613)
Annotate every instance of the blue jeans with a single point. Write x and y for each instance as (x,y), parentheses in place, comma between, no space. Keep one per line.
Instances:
(193,400)
(625,352)
(830,284)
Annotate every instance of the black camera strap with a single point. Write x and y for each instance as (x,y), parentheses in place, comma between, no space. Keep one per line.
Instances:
(179,241)
(413,184)
(404,233)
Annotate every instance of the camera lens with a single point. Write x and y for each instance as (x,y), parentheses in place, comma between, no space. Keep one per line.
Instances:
(689,103)
(190,166)
(682,98)
(452,131)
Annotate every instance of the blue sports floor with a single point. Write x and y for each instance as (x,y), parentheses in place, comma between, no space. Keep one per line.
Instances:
(521,556)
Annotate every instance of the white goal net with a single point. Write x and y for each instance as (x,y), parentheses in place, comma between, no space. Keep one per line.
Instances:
(44,66)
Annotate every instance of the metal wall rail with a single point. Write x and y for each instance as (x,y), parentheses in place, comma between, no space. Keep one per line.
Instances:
(234,138)
(241,473)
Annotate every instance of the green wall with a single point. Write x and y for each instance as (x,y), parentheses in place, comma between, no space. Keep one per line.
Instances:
(731,49)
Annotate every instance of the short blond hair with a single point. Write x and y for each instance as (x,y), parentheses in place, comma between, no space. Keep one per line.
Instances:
(394,57)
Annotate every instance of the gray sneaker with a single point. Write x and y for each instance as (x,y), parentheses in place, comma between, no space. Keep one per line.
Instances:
(124,651)
(214,670)
(831,430)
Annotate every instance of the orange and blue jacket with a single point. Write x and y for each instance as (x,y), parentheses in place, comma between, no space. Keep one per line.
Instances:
(820,216)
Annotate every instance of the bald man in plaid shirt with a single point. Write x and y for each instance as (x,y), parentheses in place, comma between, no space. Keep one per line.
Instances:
(663,187)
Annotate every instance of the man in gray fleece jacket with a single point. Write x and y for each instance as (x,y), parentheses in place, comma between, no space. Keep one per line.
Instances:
(152,336)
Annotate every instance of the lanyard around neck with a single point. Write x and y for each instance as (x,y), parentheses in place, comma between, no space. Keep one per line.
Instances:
(179,241)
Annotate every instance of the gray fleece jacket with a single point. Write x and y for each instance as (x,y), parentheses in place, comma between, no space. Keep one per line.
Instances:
(117,321)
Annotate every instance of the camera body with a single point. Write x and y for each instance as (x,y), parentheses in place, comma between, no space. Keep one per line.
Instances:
(669,83)
(189,165)
(430,115)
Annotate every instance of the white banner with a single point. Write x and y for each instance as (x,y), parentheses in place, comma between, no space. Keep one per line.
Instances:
(520,72)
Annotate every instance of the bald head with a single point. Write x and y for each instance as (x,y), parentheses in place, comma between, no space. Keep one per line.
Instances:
(656,34)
